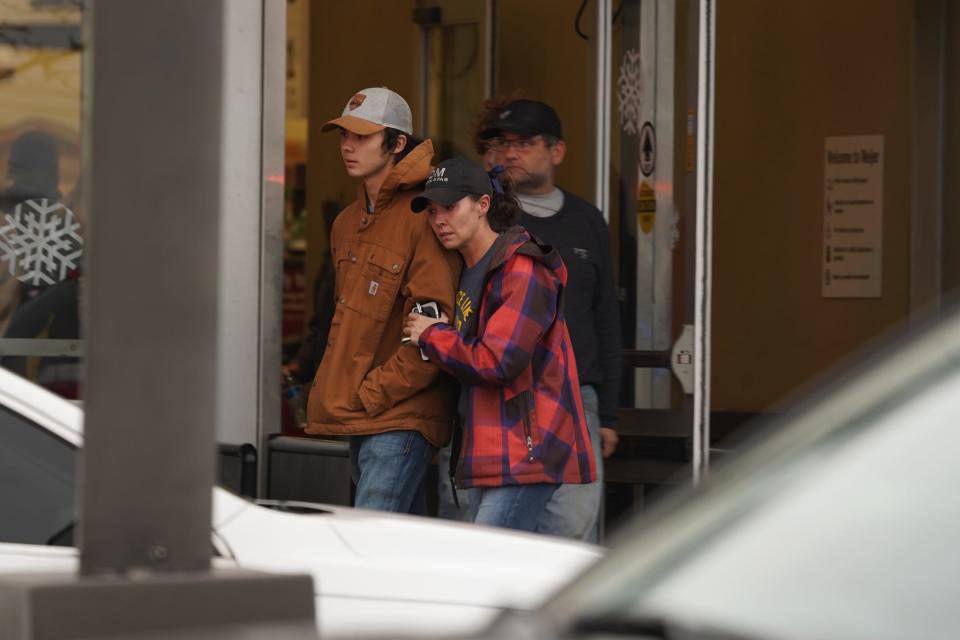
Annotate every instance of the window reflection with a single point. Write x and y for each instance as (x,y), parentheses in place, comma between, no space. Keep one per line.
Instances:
(37,489)
(41,225)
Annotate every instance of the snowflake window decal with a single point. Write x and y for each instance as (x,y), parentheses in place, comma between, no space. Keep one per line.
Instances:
(628,91)
(40,242)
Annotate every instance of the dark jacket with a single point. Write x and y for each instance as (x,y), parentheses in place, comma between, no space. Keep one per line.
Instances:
(592,308)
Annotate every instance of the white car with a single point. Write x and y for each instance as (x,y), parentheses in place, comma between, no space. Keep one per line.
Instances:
(373,572)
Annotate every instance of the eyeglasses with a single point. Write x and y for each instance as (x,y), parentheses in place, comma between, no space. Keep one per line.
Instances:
(520,144)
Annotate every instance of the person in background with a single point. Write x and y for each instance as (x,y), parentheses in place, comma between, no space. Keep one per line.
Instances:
(488,117)
(395,406)
(526,138)
(41,241)
(303,365)
(524,433)
(41,251)
(301,368)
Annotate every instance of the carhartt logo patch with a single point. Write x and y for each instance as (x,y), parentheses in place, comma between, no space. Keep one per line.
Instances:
(356,101)
(374,286)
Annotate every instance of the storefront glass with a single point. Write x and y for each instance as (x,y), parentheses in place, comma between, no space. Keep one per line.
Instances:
(41,220)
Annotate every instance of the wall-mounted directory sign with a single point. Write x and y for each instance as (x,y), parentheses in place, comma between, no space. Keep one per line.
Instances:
(853,217)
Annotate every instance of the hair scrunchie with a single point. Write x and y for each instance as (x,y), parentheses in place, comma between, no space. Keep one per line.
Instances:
(494,174)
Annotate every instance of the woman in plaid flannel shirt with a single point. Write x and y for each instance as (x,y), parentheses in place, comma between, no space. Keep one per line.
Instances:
(524,432)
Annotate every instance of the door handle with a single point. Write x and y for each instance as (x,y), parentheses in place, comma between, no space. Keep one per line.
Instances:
(681,359)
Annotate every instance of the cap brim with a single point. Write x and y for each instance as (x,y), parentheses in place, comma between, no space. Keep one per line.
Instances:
(518,129)
(353,124)
(444,196)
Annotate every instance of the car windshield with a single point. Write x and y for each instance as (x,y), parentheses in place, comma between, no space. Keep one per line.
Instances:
(851,536)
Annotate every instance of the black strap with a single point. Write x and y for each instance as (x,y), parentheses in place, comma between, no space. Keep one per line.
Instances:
(456,443)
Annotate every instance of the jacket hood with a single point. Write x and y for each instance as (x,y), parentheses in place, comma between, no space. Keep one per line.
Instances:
(516,239)
(406,175)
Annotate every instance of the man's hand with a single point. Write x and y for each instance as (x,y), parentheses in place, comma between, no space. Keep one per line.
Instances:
(609,440)
(416,324)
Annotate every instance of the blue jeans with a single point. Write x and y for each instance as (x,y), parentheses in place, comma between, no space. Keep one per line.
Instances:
(388,469)
(512,507)
(574,510)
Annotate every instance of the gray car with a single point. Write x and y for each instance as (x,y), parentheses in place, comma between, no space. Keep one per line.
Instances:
(843,523)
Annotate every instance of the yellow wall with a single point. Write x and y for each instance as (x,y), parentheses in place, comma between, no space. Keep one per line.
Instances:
(540,55)
(790,74)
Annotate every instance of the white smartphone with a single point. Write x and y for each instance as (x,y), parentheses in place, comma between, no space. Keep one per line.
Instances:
(429,309)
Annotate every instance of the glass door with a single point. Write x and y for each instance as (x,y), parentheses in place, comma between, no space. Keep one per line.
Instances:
(456,71)
(629,82)
(660,185)
(41,221)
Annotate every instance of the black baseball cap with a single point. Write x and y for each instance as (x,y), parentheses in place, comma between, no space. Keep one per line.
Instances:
(525,118)
(452,180)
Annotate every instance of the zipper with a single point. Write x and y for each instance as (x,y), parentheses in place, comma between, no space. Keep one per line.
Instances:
(453,489)
(527,430)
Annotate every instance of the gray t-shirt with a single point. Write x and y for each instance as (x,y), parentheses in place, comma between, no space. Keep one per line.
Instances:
(542,206)
(471,289)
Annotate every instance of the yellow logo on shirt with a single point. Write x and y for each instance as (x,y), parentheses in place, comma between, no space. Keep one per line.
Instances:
(464,309)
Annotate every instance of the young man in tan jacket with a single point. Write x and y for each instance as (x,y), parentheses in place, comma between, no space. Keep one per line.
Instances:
(395,406)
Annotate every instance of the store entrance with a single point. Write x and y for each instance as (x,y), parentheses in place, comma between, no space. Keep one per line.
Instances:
(619,78)
(623,80)
(660,189)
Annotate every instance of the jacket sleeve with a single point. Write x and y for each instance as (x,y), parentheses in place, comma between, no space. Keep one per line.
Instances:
(432,275)
(522,308)
(606,306)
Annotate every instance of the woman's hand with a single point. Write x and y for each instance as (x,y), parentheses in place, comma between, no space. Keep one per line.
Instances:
(416,324)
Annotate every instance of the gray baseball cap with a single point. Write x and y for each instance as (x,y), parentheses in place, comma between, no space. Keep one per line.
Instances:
(372,110)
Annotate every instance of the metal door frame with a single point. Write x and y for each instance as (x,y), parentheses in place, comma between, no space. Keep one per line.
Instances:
(697,185)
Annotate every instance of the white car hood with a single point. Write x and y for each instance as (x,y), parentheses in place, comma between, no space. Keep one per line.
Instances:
(354,553)
(373,572)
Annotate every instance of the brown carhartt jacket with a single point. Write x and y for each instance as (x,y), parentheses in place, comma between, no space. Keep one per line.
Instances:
(368,382)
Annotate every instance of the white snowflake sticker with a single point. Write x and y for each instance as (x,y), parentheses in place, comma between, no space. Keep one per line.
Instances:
(628,91)
(40,242)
